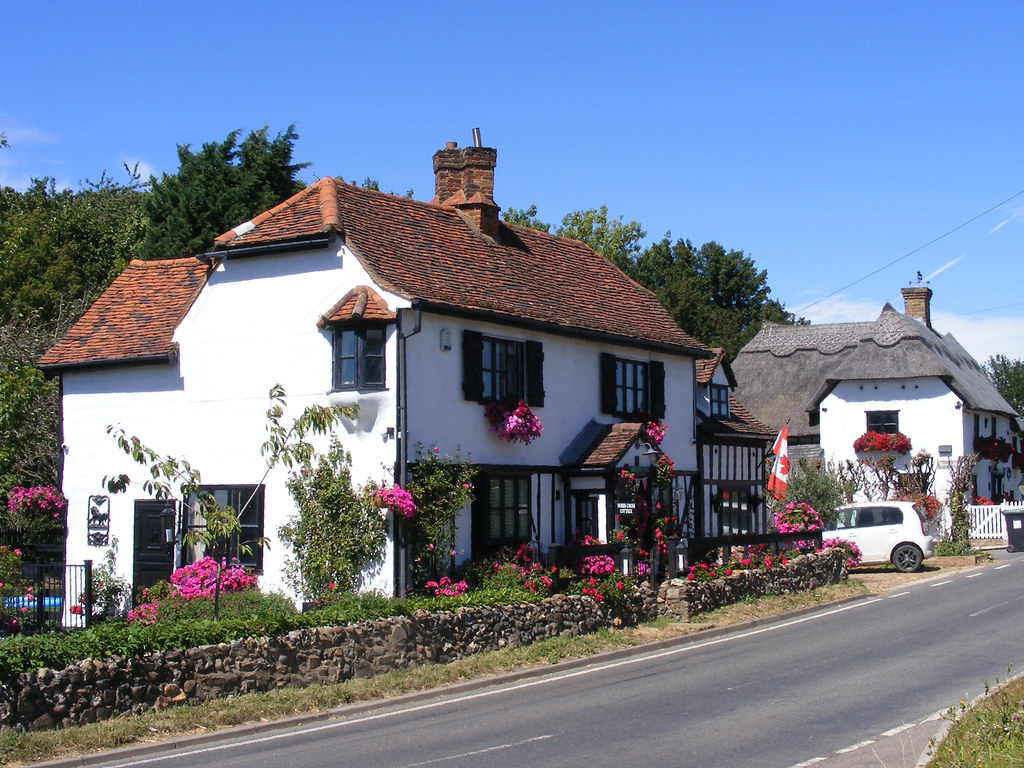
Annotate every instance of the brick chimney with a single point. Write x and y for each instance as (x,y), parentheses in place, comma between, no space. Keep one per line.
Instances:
(917,302)
(464,180)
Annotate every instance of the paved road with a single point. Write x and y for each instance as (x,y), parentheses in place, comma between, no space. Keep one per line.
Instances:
(847,687)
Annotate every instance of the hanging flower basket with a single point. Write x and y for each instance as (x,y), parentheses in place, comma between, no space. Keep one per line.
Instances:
(513,421)
(654,429)
(397,499)
(882,443)
(993,448)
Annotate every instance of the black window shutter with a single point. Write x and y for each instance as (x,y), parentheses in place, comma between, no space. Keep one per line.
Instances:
(657,370)
(607,383)
(472,365)
(535,373)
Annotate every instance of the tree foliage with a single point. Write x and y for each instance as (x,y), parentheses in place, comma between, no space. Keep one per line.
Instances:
(525,217)
(219,187)
(1008,376)
(336,533)
(820,485)
(618,242)
(59,248)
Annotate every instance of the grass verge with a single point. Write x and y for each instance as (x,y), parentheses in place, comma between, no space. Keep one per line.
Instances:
(989,734)
(26,748)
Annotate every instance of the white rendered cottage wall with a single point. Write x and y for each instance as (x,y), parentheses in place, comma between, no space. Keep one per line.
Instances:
(929,414)
(253,326)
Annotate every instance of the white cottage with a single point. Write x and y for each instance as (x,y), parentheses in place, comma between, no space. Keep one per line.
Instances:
(833,382)
(420,313)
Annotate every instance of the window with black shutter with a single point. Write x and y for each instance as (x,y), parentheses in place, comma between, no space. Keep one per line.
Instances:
(628,386)
(497,369)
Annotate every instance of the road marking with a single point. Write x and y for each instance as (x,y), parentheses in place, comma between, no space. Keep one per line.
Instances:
(942,583)
(974,576)
(475,752)
(901,729)
(899,594)
(993,607)
(1000,567)
(501,690)
(812,761)
(855,747)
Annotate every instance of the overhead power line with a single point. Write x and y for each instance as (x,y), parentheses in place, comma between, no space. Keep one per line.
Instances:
(910,253)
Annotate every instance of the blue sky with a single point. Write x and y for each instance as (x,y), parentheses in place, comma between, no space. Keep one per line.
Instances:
(826,140)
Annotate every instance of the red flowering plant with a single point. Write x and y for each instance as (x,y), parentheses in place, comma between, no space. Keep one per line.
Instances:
(511,570)
(1017,460)
(592,565)
(654,429)
(37,512)
(610,589)
(445,587)
(926,502)
(512,420)
(881,442)
(993,448)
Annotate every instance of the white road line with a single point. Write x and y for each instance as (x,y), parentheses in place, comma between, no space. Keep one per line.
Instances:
(942,583)
(899,594)
(855,747)
(901,729)
(993,607)
(544,680)
(812,761)
(974,575)
(475,752)
(1000,567)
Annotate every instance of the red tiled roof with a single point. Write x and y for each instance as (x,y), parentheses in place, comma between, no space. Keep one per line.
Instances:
(361,303)
(430,252)
(706,368)
(741,423)
(134,318)
(610,445)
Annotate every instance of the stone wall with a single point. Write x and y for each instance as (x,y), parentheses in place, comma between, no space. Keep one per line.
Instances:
(682,599)
(96,690)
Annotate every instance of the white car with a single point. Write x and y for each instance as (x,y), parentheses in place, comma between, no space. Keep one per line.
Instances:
(886,531)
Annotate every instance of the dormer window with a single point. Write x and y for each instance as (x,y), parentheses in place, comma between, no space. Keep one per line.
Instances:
(359,357)
(719,400)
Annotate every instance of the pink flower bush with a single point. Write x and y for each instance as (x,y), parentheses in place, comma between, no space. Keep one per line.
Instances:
(397,499)
(200,578)
(853,553)
(38,510)
(446,587)
(513,421)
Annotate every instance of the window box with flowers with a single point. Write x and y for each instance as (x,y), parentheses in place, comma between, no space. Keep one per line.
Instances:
(512,420)
(882,442)
(993,448)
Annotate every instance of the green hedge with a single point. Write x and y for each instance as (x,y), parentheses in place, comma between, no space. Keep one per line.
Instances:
(118,638)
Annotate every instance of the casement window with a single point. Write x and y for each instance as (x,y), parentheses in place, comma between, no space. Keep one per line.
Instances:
(885,422)
(501,513)
(495,369)
(734,512)
(719,400)
(248,499)
(359,356)
(628,386)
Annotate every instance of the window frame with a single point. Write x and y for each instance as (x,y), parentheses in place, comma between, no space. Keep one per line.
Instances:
(884,422)
(612,385)
(503,368)
(235,495)
(718,398)
(512,518)
(528,360)
(360,356)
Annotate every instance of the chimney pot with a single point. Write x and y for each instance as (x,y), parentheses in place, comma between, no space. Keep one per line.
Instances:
(466,178)
(451,144)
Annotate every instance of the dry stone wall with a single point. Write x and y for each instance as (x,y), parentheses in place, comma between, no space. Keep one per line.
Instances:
(682,599)
(96,690)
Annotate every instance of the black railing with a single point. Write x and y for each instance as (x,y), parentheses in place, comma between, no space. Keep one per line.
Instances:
(56,596)
(701,548)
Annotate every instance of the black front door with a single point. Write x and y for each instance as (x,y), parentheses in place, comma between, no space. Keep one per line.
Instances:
(154,542)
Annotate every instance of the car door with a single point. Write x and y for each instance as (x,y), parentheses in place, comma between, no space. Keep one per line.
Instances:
(876,529)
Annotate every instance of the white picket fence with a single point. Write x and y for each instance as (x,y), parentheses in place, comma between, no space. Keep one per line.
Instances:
(987,521)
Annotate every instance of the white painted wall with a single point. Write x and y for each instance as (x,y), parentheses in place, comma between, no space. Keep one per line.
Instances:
(254,326)
(930,414)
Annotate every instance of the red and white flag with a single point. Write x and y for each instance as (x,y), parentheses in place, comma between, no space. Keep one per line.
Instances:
(779,477)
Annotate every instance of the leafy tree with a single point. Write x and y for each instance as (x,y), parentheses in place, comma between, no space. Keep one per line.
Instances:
(1008,376)
(618,242)
(717,296)
(61,247)
(336,532)
(525,217)
(219,187)
(820,485)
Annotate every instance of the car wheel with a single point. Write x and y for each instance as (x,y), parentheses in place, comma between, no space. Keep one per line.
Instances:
(907,558)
